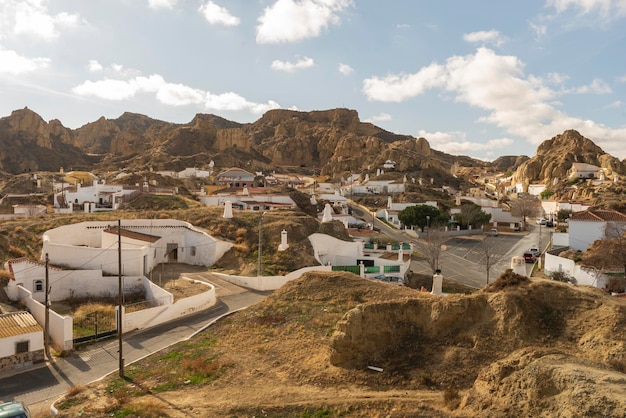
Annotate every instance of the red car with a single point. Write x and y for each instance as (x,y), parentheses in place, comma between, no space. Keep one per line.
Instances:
(529,257)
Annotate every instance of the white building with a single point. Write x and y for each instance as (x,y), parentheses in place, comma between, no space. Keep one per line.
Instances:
(588,226)
(21,341)
(250,202)
(584,171)
(145,243)
(99,196)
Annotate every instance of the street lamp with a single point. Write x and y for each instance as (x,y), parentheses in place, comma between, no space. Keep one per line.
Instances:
(428,221)
(258,268)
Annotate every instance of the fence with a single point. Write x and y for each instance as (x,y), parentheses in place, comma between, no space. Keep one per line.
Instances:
(94,325)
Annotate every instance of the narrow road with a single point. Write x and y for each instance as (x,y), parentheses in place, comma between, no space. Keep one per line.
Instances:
(39,387)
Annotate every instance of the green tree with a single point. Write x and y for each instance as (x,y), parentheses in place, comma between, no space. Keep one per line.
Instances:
(421,215)
(546,194)
(563,214)
(472,214)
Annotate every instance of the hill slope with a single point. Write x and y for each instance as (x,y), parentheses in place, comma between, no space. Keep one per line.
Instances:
(517,349)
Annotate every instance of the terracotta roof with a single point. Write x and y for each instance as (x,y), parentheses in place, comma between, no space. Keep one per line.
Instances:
(18,323)
(599,215)
(139,236)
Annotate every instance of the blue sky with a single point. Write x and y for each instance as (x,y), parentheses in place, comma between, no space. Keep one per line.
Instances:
(479,78)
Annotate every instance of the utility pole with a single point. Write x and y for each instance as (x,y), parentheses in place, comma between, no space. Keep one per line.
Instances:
(46,335)
(119,295)
(258,268)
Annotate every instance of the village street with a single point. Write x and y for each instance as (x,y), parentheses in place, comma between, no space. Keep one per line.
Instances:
(40,386)
(461,258)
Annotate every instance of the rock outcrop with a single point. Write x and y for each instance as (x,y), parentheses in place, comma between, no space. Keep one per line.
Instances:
(555,157)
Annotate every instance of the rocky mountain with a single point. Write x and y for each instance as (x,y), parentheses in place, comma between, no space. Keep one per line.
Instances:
(330,142)
(555,157)
(28,143)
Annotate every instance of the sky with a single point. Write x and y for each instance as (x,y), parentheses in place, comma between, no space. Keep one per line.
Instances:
(483,78)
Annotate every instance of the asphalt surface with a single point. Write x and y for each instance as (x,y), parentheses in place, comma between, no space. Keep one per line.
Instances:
(41,385)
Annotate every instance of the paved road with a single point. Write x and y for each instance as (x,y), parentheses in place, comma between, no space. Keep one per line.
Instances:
(461,260)
(41,386)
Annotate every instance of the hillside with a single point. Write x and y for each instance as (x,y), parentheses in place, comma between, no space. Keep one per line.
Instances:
(328,142)
(519,348)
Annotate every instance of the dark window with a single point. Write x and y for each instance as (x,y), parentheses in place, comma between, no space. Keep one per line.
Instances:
(193,251)
(21,347)
(38,286)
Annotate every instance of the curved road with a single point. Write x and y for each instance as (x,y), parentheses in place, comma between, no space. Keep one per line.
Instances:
(40,386)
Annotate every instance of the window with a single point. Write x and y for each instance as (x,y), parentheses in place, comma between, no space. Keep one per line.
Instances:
(21,347)
(38,286)
(193,251)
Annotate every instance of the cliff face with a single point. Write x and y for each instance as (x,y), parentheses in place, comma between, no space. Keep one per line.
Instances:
(555,157)
(28,143)
(329,142)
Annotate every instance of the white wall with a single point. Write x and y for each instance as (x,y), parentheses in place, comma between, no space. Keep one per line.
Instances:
(85,245)
(7,345)
(146,318)
(331,250)
(583,233)
(560,239)
(269,282)
(583,276)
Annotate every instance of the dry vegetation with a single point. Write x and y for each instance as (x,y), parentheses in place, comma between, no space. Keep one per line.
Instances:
(522,348)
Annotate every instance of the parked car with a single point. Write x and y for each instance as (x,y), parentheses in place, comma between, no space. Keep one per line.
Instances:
(541,221)
(529,257)
(493,232)
(535,250)
(549,224)
(14,410)
(390,279)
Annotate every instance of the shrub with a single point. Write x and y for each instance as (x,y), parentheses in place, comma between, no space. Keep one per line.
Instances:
(451,398)
(560,276)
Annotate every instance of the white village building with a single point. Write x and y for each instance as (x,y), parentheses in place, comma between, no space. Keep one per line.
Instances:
(145,243)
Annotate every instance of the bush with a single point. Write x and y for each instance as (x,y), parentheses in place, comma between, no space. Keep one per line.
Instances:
(560,276)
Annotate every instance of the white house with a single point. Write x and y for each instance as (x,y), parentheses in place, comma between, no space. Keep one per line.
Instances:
(21,341)
(376,187)
(250,201)
(100,196)
(588,226)
(332,251)
(191,172)
(584,171)
(145,243)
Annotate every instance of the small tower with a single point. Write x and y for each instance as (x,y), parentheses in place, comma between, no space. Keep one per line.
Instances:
(228,209)
(283,241)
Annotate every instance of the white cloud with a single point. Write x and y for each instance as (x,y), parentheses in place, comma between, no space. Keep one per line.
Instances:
(538,30)
(162,4)
(304,62)
(455,142)
(622,79)
(617,104)
(233,101)
(485,37)
(179,95)
(381,117)
(107,89)
(94,66)
(607,9)
(597,86)
(397,88)
(13,63)
(522,105)
(31,17)
(403,26)
(218,15)
(294,20)
(345,69)
(169,94)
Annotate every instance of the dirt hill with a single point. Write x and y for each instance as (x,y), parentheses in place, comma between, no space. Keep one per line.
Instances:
(519,348)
